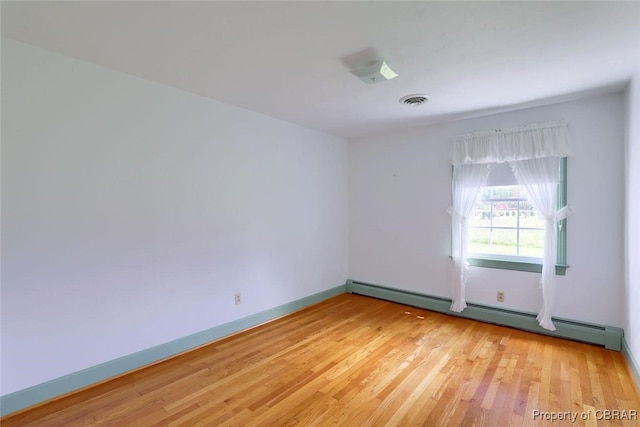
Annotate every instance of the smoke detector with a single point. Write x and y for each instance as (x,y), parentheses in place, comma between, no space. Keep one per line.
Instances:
(415,100)
(375,72)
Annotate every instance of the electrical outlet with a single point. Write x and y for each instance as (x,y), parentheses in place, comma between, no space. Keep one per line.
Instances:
(500,296)
(238,298)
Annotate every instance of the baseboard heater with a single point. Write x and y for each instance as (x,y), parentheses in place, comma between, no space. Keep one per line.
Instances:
(608,336)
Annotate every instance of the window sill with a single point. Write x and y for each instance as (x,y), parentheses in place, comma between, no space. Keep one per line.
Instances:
(532,267)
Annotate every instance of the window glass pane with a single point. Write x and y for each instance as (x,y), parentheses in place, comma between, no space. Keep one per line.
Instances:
(504,242)
(532,243)
(502,192)
(529,218)
(481,215)
(479,241)
(505,215)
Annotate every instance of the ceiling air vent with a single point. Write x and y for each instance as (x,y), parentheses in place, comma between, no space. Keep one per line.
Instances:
(414,100)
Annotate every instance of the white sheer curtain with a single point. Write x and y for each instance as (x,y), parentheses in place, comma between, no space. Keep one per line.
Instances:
(534,151)
(540,177)
(467,180)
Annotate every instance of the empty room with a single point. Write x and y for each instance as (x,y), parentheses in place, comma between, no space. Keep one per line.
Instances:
(358,213)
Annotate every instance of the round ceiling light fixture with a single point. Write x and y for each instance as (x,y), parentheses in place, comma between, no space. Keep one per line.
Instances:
(415,100)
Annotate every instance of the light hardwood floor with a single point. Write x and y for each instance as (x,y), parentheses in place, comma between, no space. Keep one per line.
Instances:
(359,361)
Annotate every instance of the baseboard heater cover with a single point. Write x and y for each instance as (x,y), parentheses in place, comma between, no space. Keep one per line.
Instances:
(608,336)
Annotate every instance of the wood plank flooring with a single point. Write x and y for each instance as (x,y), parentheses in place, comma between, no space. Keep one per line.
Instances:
(359,361)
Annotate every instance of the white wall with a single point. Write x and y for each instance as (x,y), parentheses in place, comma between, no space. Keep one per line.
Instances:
(132,212)
(400,186)
(632,219)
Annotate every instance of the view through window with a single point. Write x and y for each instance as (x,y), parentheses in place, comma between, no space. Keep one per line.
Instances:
(505,224)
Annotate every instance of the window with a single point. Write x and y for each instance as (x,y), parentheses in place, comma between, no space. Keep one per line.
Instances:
(537,154)
(505,231)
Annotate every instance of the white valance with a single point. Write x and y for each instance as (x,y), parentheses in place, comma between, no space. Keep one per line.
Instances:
(534,141)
